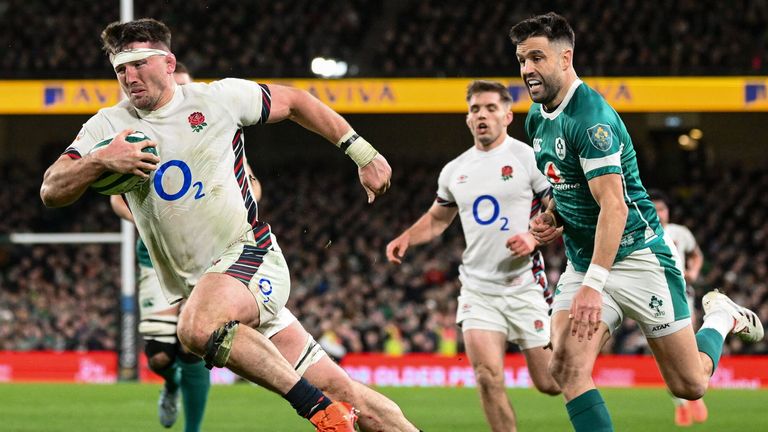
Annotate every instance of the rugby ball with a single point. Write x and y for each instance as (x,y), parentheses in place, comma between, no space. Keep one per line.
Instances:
(112,183)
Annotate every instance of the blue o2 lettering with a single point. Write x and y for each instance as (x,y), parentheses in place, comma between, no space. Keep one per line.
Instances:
(494,217)
(185,186)
(265,286)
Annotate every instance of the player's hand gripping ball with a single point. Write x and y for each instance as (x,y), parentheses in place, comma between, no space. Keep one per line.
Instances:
(112,183)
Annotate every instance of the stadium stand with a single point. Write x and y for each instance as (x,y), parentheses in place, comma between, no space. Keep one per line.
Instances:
(58,39)
(66,297)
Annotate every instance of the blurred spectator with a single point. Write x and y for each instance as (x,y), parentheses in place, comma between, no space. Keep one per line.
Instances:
(66,297)
(58,39)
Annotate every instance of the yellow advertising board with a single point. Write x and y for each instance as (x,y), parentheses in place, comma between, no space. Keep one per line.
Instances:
(419,95)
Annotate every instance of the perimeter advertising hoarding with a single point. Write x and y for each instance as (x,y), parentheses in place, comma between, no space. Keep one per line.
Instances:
(422,370)
(419,95)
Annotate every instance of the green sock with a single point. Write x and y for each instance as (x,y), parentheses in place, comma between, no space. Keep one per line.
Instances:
(195,384)
(172,377)
(588,413)
(710,342)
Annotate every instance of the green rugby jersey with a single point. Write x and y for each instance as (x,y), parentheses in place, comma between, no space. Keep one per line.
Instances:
(582,139)
(142,254)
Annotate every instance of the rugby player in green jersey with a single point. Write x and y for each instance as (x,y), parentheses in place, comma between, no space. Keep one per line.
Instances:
(620,262)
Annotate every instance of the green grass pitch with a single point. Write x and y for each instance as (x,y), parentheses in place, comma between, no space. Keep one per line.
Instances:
(242,407)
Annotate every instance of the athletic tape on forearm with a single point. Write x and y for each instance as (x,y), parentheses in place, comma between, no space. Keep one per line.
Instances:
(357,148)
(596,277)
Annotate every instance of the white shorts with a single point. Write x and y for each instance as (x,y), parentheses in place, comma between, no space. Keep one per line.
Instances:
(312,351)
(646,286)
(152,324)
(523,316)
(263,271)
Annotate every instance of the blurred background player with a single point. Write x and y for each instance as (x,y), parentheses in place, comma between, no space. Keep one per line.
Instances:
(180,369)
(691,259)
(494,187)
(619,261)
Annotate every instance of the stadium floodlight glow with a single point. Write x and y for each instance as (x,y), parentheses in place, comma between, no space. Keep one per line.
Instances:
(328,67)
(696,134)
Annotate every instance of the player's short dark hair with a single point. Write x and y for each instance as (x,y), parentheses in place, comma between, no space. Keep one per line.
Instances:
(551,25)
(117,35)
(658,195)
(482,86)
(181,68)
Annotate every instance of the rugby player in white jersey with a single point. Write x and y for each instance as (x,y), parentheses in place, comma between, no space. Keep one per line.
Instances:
(199,220)
(691,260)
(494,187)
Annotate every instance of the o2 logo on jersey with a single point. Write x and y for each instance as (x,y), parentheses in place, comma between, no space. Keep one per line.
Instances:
(552,173)
(484,201)
(186,183)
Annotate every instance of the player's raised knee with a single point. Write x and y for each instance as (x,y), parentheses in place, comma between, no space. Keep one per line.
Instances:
(688,389)
(489,378)
(548,387)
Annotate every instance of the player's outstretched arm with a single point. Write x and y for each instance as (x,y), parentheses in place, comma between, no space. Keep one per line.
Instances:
(430,225)
(67,179)
(306,110)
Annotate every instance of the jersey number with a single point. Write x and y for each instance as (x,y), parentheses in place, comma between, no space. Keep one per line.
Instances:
(186,185)
(494,217)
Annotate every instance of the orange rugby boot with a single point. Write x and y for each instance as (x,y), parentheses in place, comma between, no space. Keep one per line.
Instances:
(337,417)
(683,416)
(699,410)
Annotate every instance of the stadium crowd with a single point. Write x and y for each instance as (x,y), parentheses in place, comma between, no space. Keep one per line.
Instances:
(58,39)
(58,297)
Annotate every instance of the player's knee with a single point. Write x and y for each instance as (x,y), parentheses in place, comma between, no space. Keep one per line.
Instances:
(688,389)
(562,370)
(547,386)
(160,355)
(194,334)
(489,379)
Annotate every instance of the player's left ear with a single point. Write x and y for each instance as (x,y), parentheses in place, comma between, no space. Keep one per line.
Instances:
(566,58)
(170,63)
(508,116)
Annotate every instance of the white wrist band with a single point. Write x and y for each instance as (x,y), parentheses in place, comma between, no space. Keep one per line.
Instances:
(596,277)
(357,148)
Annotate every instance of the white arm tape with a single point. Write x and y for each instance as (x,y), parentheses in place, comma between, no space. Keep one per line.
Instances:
(357,148)
(596,277)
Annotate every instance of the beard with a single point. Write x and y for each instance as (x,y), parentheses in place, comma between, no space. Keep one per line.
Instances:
(548,91)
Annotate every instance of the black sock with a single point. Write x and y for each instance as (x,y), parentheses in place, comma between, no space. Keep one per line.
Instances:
(306,399)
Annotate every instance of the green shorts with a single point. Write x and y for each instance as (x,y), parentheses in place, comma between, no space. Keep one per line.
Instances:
(646,286)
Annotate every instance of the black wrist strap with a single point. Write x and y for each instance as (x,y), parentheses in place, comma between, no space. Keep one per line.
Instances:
(345,145)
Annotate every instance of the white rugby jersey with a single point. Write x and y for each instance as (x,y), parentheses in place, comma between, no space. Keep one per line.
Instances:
(684,240)
(495,192)
(198,201)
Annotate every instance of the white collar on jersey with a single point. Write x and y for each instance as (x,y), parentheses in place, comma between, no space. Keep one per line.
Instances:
(553,115)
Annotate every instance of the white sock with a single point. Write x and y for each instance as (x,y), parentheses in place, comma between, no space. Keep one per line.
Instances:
(719,320)
(677,401)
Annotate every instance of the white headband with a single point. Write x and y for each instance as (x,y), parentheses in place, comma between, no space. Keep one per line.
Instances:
(135,54)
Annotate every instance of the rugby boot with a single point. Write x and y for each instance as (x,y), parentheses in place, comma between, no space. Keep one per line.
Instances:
(336,417)
(746,324)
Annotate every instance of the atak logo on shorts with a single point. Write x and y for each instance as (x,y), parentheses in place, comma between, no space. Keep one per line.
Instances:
(538,325)
(506,172)
(197,121)
(656,304)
